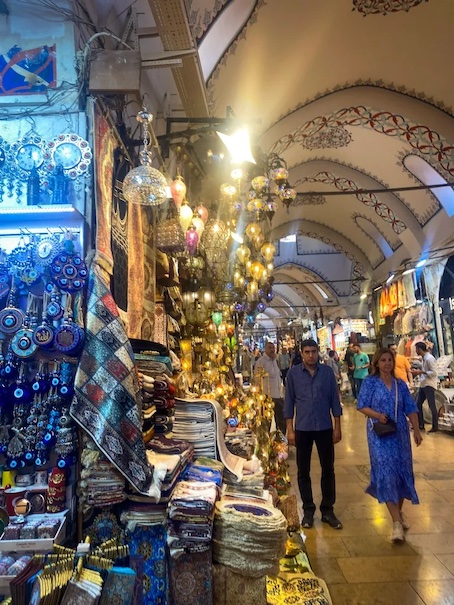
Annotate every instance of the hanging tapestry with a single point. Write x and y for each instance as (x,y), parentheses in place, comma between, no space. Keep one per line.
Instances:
(135,271)
(120,247)
(149,285)
(106,387)
(104,146)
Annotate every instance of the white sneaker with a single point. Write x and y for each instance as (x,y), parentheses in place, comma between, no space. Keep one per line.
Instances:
(397,534)
(404,521)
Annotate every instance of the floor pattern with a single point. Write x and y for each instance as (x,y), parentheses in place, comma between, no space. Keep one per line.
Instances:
(359,563)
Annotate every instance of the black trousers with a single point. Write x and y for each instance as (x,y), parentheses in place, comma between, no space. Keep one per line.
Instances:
(325,447)
(353,385)
(429,394)
(281,424)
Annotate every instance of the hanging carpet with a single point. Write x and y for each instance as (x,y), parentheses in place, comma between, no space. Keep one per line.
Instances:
(106,387)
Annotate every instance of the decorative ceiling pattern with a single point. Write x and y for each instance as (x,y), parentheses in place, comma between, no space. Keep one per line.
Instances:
(202,14)
(327,138)
(368,199)
(421,138)
(379,84)
(384,7)
(231,50)
(309,199)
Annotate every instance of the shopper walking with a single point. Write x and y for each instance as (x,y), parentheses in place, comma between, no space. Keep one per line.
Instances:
(272,382)
(312,397)
(283,361)
(427,386)
(350,366)
(383,397)
(402,367)
(361,364)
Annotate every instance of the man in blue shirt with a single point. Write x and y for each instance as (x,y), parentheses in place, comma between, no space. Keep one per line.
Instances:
(311,392)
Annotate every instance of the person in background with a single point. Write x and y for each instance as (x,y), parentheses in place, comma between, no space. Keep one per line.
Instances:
(333,363)
(427,386)
(296,357)
(350,366)
(361,363)
(402,368)
(272,382)
(312,396)
(391,477)
(283,361)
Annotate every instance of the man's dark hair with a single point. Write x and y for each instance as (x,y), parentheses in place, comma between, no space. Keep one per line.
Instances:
(309,342)
(421,345)
(332,353)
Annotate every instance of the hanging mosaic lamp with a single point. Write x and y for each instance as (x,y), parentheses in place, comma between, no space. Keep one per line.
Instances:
(253,230)
(257,270)
(198,224)
(145,185)
(252,290)
(243,254)
(279,174)
(202,212)
(192,240)
(228,191)
(185,216)
(178,190)
(287,195)
(216,316)
(260,184)
(268,251)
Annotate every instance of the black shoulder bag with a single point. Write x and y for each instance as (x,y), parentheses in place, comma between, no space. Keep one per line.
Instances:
(383,430)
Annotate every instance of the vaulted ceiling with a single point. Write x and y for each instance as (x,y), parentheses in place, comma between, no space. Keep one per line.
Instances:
(354,95)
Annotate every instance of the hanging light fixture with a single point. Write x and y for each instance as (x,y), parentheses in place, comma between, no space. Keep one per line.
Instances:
(268,251)
(185,216)
(243,254)
(202,212)
(239,146)
(192,240)
(178,190)
(145,185)
(198,224)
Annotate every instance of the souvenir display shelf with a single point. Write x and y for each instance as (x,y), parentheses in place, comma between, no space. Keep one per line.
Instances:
(37,544)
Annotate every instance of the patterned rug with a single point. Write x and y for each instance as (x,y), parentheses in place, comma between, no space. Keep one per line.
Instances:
(106,387)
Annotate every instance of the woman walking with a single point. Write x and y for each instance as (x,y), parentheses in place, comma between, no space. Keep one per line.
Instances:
(384,397)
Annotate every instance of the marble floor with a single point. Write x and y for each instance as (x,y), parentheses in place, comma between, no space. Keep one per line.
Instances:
(359,563)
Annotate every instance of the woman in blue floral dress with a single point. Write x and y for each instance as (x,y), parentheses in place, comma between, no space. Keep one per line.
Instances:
(391,478)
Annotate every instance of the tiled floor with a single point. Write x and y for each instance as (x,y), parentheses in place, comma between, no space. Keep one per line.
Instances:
(359,563)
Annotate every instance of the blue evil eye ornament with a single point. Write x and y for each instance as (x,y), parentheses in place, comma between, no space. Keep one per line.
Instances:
(233,422)
(69,272)
(69,338)
(23,344)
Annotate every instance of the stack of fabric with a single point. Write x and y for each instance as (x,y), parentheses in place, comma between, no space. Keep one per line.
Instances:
(101,483)
(190,512)
(251,484)
(241,442)
(175,455)
(190,526)
(157,404)
(195,422)
(249,536)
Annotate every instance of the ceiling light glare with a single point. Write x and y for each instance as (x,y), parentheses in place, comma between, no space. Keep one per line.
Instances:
(390,278)
(408,271)
(363,296)
(421,263)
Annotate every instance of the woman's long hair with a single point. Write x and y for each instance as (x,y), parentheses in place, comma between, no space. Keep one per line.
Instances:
(378,353)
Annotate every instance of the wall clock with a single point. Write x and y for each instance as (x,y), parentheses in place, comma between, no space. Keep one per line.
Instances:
(72,153)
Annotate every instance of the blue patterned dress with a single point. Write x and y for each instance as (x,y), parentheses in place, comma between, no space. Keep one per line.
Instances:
(391,476)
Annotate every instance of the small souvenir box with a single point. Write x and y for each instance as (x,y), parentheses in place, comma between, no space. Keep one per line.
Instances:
(38,534)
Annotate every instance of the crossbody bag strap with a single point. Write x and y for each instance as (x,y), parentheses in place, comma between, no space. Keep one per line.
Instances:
(397,398)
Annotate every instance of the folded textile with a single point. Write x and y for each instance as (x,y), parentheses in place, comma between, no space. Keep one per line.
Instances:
(196,472)
(193,497)
(191,579)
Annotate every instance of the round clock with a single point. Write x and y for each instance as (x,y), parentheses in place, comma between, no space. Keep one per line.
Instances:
(29,156)
(72,153)
(68,155)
